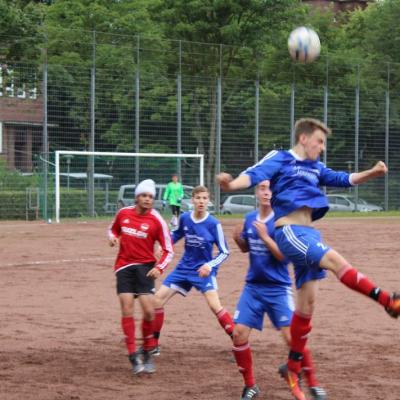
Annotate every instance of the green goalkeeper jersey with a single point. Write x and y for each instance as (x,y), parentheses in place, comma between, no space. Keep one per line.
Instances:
(173,193)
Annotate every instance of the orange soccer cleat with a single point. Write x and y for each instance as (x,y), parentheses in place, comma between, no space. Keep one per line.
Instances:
(393,309)
(293,381)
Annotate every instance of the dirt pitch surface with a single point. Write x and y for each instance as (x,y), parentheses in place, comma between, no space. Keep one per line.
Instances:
(60,336)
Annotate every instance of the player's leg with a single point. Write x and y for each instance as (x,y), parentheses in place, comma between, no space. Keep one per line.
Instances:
(126,287)
(162,296)
(145,292)
(174,219)
(222,314)
(307,368)
(248,315)
(355,280)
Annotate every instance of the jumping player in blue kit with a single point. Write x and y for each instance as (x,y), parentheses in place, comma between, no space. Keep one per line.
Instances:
(267,291)
(296,177)
(198,267)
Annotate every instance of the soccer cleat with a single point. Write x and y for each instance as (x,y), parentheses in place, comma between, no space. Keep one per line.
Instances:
(250,392)
(293,381)
(149,367)
(317,393)
(137,364)
(155,351)
(393,309)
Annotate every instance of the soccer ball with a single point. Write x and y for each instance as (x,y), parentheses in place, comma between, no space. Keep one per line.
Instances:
(304,45)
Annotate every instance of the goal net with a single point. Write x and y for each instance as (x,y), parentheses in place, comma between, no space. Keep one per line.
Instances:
(98,183)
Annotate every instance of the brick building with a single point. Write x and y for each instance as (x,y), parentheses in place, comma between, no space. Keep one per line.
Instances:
(339,5)
(21,126)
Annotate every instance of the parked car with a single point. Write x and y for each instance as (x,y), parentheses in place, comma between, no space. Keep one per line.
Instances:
(126,195)
(239,204)
(346,202)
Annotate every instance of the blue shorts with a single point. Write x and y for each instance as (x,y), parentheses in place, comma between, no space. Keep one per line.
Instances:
(183,281)
(303,246)
(258,299)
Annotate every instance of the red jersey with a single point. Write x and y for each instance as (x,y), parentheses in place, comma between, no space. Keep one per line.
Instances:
(137,235)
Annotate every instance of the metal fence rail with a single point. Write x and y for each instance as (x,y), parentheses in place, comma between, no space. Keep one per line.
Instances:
(174,97)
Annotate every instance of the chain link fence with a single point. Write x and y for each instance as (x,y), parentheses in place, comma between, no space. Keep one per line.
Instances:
(120,94)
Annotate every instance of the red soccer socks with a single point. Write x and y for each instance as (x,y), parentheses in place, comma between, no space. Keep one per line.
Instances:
(300,327)
(148,337)
(308,369)
(355,280)
(158,323)
(244,362)
(225,320)
(128,327)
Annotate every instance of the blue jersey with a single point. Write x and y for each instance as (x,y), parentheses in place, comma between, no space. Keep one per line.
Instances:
(296,183)
(264,267)
(200,237)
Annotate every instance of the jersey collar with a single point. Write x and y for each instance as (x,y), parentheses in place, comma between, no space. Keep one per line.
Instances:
(295,155)
(197,221)
(269,217)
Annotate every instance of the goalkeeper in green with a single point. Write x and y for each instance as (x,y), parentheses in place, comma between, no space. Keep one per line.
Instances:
(173,195)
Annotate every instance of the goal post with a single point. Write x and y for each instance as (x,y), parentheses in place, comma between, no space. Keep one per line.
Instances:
(77,173)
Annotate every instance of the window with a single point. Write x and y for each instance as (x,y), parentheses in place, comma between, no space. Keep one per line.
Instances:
(249,201)
(236,200)
(342,201)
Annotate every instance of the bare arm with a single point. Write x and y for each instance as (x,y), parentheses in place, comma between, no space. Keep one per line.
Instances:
(269,242)
(379,169)
(228,184)
(242,244)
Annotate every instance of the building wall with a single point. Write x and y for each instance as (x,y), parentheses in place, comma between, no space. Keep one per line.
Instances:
(338,5)
(21,121)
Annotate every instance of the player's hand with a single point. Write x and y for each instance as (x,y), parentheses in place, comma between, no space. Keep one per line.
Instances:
(224,179)
(261,229)
(237,230)
(379,169)
(204,270)
(114,241)
(154,273)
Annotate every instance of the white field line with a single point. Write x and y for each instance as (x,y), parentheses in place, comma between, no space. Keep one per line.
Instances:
(61,261)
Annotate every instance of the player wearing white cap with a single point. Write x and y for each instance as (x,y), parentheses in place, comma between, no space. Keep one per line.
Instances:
(136,229)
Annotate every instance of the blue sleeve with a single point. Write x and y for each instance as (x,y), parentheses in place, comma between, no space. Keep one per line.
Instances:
(178,233)
(264,169)
(329,177)
(222,247)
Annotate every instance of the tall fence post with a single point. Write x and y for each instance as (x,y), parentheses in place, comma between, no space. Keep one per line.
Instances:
(45,138)
(387,132)
(292,100)
(137,110)
(217,190)
(257,121)
(326,99)
(357,134)
(179,111)
(91,202)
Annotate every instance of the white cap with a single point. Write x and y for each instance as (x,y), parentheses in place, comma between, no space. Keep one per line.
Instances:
(146,186)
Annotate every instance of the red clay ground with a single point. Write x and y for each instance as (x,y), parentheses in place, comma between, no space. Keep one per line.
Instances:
(60,336)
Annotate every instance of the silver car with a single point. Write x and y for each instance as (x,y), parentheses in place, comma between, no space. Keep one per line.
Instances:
(345,202)
(239,204)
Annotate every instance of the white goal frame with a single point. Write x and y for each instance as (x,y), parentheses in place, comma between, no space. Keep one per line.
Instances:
(59,153)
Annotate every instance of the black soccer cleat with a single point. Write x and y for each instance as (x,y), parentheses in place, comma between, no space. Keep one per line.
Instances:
(317,393)
(137,364)
(155,351)
(148,363)
(251,392)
